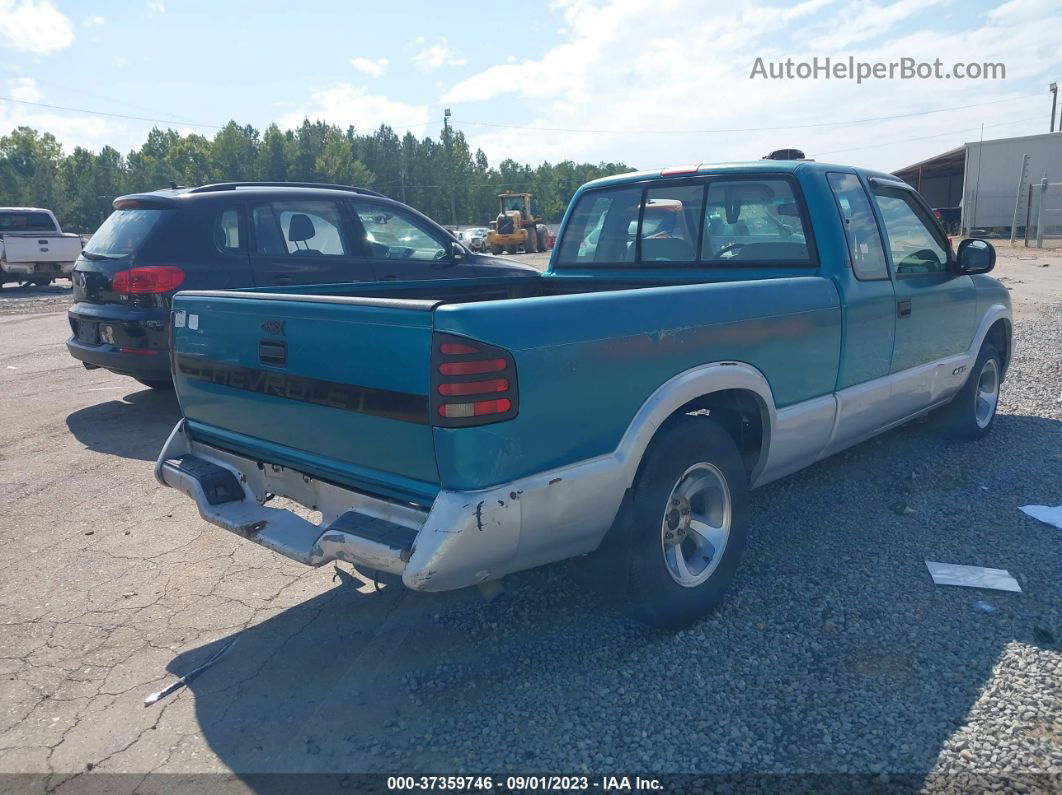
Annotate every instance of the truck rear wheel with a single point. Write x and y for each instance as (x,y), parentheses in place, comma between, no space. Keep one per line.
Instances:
(496,250)
(972,412)
(686,520)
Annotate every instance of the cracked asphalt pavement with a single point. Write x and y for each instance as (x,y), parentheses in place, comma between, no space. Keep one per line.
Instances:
(834,651)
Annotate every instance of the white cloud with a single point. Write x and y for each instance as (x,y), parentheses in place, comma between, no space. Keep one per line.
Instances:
(345,104)
(156,7)
(437,55)
(93,21)
(863,21)
(639,65)
(370,67)
(34,26)
(25,89)
(92,133)
(119,61)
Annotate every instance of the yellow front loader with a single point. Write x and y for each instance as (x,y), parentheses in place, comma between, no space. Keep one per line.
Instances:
(515,227)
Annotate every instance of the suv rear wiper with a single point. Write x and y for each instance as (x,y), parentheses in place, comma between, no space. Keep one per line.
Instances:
(87,255)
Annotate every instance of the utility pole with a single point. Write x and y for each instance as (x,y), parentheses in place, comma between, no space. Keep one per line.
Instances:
(1053,88)
(450,166)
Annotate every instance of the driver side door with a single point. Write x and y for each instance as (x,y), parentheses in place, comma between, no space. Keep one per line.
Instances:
(935,307)
(401,246)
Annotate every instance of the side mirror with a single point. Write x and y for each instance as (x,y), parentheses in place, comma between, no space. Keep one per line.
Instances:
(975,256)
(457,256)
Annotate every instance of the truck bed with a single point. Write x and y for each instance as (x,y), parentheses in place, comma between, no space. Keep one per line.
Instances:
(334,380)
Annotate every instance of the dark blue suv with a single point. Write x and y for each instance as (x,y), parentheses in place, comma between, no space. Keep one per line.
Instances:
(242,234)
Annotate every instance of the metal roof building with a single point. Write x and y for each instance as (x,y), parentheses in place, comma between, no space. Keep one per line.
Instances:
(980,180)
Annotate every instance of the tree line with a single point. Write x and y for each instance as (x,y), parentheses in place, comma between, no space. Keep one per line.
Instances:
(423,172)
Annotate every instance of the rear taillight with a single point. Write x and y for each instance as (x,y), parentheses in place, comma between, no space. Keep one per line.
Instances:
(148,279)
(471,383)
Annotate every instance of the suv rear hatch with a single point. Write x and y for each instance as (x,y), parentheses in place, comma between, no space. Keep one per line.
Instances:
(330,386)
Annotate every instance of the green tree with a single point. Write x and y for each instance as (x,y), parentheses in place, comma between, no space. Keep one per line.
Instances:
(337,164)
(234,152)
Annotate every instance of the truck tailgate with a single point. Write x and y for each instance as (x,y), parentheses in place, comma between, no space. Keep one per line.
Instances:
(41,247)
(334,387)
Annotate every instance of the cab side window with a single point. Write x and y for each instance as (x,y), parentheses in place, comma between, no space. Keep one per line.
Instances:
(393,234)
(865,249)
(915,250)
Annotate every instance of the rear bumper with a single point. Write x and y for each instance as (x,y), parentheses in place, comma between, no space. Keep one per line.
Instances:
(52,270)
(144,338)
(465,538)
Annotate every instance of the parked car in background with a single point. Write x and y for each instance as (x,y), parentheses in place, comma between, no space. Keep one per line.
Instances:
(700,332)
(33,249)
(475,238)
(232,235)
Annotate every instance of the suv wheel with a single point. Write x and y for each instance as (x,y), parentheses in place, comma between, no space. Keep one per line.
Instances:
(687,524)
(163,384)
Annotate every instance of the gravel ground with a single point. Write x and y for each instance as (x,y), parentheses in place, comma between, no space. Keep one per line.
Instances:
(833,653)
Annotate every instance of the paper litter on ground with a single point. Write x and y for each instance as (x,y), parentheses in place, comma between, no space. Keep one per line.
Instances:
(972,576)
(1045,513)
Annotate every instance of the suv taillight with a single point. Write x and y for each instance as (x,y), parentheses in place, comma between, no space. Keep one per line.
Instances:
(471,383)
(148,279)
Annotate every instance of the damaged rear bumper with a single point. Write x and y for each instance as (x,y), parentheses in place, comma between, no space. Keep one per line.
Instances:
(465,538)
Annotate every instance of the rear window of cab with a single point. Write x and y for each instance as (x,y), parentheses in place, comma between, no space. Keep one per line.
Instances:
(715,222)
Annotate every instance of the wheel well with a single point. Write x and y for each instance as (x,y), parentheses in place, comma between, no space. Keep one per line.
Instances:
(999,338)
(740,412)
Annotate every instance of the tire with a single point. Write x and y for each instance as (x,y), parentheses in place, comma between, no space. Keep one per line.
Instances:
(510,249)
(496,250)
(161,384)
(972,412)
(543,234)
(692,469)
(529,243)
(42,282)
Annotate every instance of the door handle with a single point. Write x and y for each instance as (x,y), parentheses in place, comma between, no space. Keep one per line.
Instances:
(903,308)
(390,276)
(282,278)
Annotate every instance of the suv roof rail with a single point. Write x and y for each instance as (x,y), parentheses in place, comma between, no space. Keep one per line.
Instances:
(220,186)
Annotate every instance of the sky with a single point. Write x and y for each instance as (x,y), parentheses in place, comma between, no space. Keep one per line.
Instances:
(650,83)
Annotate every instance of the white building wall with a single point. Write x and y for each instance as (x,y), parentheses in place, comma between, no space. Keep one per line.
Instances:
(991,179)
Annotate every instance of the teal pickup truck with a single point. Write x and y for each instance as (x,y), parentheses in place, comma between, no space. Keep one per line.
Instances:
(700,331)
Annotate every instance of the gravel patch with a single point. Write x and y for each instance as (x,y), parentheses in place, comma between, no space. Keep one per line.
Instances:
(834,653)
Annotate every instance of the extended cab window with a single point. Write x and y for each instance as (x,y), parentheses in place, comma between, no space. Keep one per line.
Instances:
(393,234)
(602,228)
(753,220)
(860,227)
(299,228)
(915,249)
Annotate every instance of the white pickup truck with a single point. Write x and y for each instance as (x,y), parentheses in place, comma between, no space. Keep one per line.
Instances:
(33,249)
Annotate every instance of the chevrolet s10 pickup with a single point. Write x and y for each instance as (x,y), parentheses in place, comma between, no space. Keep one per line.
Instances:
(700,331)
